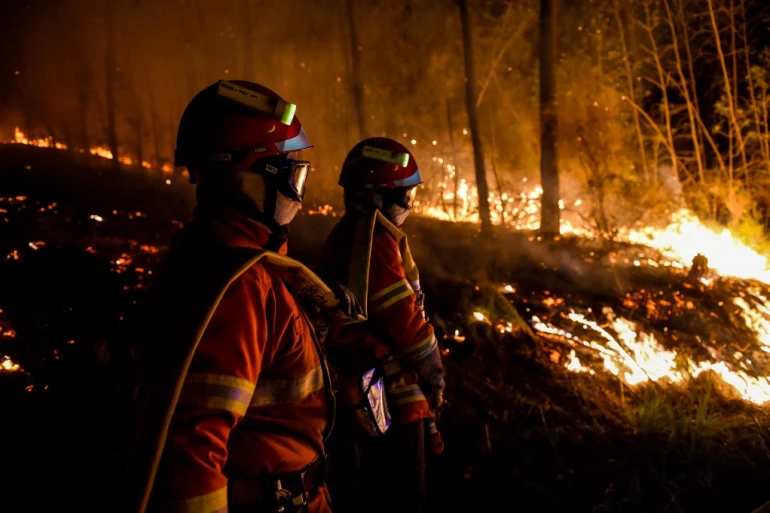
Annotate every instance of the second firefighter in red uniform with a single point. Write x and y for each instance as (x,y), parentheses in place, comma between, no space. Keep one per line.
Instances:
(368,252)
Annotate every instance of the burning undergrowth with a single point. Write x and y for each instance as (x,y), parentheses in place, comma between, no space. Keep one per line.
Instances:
(580,375)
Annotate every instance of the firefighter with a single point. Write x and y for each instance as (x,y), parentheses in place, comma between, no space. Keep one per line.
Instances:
(368,252)
(234,398)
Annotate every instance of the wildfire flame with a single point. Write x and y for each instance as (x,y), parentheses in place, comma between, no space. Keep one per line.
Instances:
(619,346)
(623,349)
(100,151)
(637,357)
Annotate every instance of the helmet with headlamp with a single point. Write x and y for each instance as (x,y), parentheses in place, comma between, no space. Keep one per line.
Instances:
(382,172)
(234,127)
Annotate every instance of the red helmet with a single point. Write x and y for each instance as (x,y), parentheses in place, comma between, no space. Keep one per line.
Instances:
(233,124)
(379,163)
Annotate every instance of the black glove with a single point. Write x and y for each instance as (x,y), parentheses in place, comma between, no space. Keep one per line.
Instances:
(430,370)
(348,304)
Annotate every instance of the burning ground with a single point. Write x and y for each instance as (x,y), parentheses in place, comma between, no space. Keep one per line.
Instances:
(582,376)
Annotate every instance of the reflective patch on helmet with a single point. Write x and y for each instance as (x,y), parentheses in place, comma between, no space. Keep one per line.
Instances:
(299,142)
(394,157)
(411,181)
(220,157)
(271,169)
(280,109)
(285,112)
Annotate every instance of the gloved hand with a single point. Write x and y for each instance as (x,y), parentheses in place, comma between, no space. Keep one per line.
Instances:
(348,304)
(436,400)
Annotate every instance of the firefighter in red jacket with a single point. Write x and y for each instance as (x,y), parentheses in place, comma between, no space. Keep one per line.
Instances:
(234,396)
(368,252)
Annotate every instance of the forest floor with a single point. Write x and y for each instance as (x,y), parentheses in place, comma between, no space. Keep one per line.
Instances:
(523,432)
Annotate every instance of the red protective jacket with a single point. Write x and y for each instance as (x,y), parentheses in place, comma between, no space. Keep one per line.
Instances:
(255,400)
(395,325)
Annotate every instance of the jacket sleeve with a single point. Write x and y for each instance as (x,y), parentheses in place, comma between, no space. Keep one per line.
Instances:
(392,309)
(216,393)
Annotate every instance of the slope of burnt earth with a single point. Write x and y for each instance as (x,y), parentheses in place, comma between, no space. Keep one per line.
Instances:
(546,412)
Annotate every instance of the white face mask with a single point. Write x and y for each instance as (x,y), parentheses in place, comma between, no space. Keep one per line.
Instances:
(285,209)
(398,214)
(252,185)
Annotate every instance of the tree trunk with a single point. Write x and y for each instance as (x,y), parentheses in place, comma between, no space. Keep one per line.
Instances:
(473,121)
(248,56)
(549,172)
(139,141)
(456,177)
(358,86)
(109,69)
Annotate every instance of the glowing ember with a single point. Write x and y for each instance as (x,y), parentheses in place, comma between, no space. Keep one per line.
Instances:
(323,210)
(574,364)
(7,365)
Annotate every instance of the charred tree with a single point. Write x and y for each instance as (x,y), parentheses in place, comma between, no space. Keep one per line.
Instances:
(82,100)
(109,69)
(549,172)
(358,86)
(473,121)
(456,180)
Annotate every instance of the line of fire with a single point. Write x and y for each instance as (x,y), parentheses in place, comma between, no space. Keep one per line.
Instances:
(207,298)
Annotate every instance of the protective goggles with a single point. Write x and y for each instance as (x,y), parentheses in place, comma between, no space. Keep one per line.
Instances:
(290,175)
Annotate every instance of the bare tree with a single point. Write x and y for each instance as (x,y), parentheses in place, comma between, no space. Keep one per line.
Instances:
(473,121)
(631,89)
(358,86)
(109,70)
(550,215)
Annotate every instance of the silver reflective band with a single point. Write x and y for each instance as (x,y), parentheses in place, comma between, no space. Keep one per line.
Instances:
(296,143)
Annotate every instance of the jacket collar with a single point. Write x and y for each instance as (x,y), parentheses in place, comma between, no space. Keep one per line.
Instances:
(233,228)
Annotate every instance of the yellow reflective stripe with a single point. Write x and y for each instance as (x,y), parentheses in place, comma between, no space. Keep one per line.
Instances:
(405,394)
(410,399)
(214,502)
(217,391)
(278,391)
(392,300)
(422,349)
(390,295)
(389,288)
